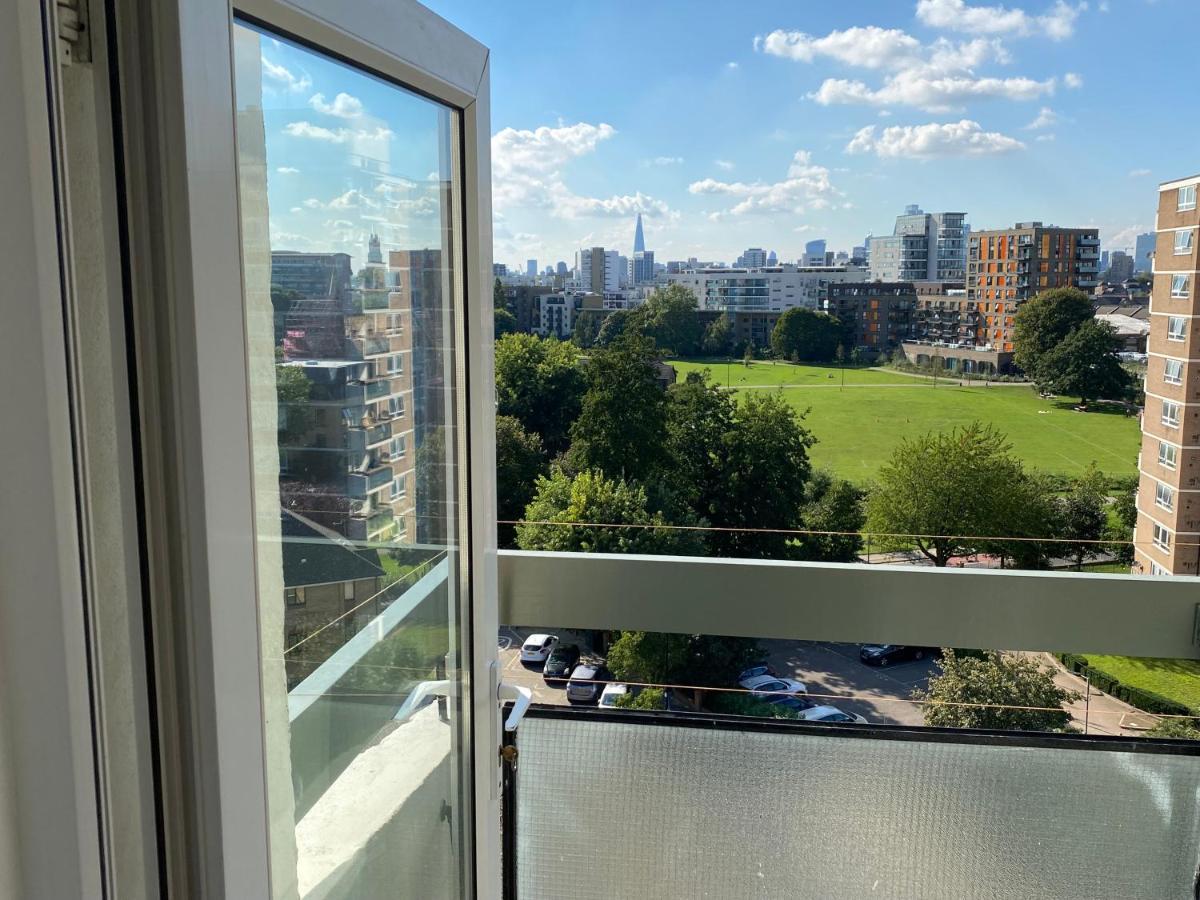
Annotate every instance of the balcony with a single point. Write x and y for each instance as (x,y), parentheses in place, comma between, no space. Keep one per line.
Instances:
(378,389)
(360,484)
(371,345)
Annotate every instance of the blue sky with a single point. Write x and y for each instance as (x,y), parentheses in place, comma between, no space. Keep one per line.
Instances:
(736,124)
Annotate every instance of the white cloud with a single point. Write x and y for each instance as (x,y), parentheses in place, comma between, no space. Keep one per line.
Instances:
(963,138)
(731,66)
(806,187)
(344,106)
(1045,118)
(937,77)
(527,171)
(1045,138)
(288,170)
(335,136)
(351,199)
(667,161)
(1057,23)
(1138,173)
(724,164)
(283,77)
(1073,80)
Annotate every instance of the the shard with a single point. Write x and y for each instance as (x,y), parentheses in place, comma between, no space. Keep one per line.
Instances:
(639,239)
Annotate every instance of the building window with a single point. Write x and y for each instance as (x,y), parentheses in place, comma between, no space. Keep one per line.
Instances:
(1164,497)
(399,487)
(1166,455)
(394,364)
(1170,414)
(293,597)
(1183,242)
(396,407)
(1176,328)
(1187,198)
(1162,538)
(399,447)
(1156,569)
(1179,287)
(1173,371)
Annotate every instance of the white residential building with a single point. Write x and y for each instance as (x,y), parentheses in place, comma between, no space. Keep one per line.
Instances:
(769,288)
(922,247)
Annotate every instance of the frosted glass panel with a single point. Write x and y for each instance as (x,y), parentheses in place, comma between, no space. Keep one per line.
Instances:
(612,809)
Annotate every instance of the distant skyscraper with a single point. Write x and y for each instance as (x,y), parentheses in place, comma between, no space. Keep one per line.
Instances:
(598,270)
(1143,252)
(374,254)
(814,253)
(639,239)
(1120,266)
(753,258)
(772,258)
(531,267)
(641,267)
(561,268)
(1104,261)
(922,247)
(499,269)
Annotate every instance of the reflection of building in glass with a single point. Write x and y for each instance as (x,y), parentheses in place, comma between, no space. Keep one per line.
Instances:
(346,451)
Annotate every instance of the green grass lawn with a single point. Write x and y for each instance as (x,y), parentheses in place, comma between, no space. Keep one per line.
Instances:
(1175,679)
(858,427)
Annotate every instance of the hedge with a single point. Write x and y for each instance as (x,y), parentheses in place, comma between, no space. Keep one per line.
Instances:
(1134,696)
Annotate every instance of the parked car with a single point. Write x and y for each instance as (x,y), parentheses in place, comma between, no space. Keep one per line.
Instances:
(756,672)
(561,662)
(537,647)
(830,714)
(585,685)
(611,693)
(764,687)
(886,654)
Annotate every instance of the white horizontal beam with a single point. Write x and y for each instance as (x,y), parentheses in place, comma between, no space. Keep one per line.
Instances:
(915,605)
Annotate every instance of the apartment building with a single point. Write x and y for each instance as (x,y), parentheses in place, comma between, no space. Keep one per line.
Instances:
(922,247)
(1009,265)
(774,288)
(1168,499)
(598,270)
(877,316)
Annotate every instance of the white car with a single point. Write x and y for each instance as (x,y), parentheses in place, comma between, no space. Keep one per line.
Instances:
(537,647)
(830,714)
(768,685)
(608,698)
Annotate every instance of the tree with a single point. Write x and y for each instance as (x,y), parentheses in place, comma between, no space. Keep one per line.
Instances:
(998,691)
(831,505)
(292,391)
(762,486)
(541,383)
(811,336)
(1082,518)
(1124,519)
(503,321)
(595,502)
(947,492)
(1084,364)
(520,459)
(615,325)
(649,657)
(1176,729)
(718,337)
(700,416)
(669,317)
(647,698)
(586,328)
(1044,321)
(621,428)
(499,298)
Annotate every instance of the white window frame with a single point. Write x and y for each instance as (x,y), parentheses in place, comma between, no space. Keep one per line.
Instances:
(395,366)
(1162,537)
(1169,376)
(1168,455)
(1157,570)
(1186,198)
(1170,413)
(1180,287)
(1177,333)
(1183,242)
(1164,496)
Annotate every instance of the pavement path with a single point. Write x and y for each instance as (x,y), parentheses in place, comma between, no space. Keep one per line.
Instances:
(1096,712)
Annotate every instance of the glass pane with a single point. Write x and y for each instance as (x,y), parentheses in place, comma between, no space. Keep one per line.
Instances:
(348,191)
(734,812)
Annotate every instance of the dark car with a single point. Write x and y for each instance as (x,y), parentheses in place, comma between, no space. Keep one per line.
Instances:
(886,654)
(562,660)
(587,683)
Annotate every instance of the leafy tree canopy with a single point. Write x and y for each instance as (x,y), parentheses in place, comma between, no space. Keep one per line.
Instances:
(503,321)
(999,684)
(520,459)
(1044,321)
(806,336)
(669,317)
(649,657)
(1084,364)
(718,337)
(540,382)
(1082,518)
(831,505)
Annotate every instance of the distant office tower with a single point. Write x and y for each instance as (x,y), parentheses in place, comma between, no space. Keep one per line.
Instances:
(1168,498)
(1120,266)
(531,267)
(922,247)
(641,267)
(753,258)
(814,253)
(561,268)
(772,259)
(1143,252)
(1104,261)
(639,239)
(598,270)
(374,254)
(499,270)
(1010,265)
(858,255)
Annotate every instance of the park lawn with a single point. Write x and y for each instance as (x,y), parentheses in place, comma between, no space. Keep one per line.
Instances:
(737,374)
(1175,679)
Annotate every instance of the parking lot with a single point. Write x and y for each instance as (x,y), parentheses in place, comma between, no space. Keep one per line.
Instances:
(879,694)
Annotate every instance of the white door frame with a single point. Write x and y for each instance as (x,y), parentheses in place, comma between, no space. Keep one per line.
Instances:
(201,490)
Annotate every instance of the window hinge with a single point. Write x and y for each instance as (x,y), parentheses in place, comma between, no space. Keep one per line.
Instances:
(74,34)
